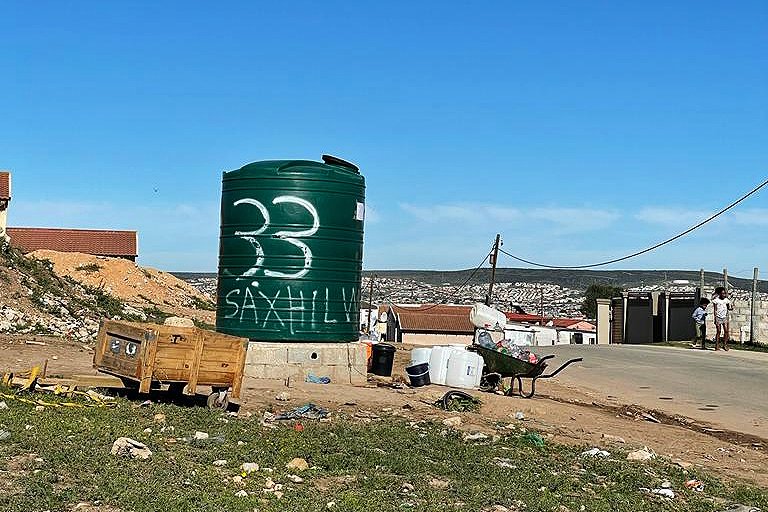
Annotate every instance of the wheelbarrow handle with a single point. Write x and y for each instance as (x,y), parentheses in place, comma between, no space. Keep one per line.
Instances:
(570,361)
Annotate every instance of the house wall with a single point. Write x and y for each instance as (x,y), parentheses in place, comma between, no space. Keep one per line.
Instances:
(3,222)
(603,321)
(740,319)
(432,339)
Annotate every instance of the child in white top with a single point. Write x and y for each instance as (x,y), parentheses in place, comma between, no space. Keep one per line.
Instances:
(722,306)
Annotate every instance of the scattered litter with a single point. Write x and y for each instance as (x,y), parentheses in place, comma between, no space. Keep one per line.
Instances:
(283,397)
(330,505)
(649,417)
(4,434)
(147,430)
(200,436)
(127,447)
(455,421)
(145,403)
(314,379)
(249,467)
(504,463)
(666,484)
(695,485)
(479,436)
(641,455)
(219,463)
(295,479)
(39,408)
(242,493)
(458,401)
(297,464)
(298,427)
(30,342)
(736,507)
(667,493)
(307,411)
(595,452)
(535,439)
(55,358)
(519,415)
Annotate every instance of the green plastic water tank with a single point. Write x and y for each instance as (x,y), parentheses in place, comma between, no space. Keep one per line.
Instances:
(290,251)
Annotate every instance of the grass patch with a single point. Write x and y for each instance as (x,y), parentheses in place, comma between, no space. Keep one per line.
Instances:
(205,305)
(155,315)
(204,325)
(360,467)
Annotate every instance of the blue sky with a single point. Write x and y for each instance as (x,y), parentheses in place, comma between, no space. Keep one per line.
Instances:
(578,130)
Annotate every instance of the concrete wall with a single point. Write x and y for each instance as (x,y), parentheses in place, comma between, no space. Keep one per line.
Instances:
(740,317)
(344,363)
(603,321)
(430,340)
(3,222)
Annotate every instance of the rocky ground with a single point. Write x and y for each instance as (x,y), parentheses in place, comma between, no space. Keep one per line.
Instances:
(67,294)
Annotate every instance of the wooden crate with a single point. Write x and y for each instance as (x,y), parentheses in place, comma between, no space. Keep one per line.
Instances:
(150,353)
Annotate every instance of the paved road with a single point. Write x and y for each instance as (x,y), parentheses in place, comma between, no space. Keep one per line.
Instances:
(727,388)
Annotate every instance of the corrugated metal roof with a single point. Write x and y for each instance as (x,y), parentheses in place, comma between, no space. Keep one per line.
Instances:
(435,318)
(89,241)
(5,185)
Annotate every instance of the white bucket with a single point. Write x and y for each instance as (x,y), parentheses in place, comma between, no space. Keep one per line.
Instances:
(438,364)
(420,355)
(464,370)
(487,317)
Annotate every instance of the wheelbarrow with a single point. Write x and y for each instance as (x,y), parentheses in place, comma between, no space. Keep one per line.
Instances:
(499,366)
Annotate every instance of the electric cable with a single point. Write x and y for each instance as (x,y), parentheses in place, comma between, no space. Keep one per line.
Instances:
(649,249)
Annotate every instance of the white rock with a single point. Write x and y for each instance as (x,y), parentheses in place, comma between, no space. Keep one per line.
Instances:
(3,405)
(201,436)
(595,452)
(295,479)
(452,422)
(242,493)
(283,397)
(220,462)
(297,464)
(641,455)
(177,321)
(249,467)
(475,437)
(127,447)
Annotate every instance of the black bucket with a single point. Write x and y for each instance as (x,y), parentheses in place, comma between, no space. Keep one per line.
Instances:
(419,374)
(382,358)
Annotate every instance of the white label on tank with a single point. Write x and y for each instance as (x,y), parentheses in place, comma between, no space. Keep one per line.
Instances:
(360,211)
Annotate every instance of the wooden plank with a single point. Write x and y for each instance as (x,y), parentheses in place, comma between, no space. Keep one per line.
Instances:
(218,379)
(125,330)
(163,363)
(120,366)
(195,367)
(237,378)
(147,364)
(101,342)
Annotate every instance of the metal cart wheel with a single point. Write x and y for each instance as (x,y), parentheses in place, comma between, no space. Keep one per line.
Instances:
(218,400)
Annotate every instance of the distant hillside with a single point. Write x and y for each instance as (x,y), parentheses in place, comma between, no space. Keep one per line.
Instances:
(574,279)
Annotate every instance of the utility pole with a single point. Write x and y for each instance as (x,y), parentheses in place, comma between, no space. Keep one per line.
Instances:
(753,308)
(725,279)
(494,259)
(370,302)
(541,303)
(701,283)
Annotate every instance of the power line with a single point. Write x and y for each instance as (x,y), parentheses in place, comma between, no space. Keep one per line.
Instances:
(649,249)
(457,291)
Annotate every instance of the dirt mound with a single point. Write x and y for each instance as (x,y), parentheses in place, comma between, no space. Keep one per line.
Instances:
(126,280)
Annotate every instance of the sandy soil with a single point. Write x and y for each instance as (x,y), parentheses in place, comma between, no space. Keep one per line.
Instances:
(141,286)
(562,414)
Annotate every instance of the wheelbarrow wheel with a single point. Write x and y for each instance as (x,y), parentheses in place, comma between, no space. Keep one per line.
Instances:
(218,401)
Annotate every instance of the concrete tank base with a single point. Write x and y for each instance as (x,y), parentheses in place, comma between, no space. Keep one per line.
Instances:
(344,363)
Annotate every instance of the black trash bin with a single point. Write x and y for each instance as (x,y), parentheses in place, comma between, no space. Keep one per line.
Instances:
(382,358)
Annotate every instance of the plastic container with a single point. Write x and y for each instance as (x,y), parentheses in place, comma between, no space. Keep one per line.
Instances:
(418,374)
(438,364)
(487,317)
(464,370)
(420,355)
(382,358)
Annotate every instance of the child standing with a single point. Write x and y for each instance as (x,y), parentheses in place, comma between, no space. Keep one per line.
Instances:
(722,306)
(700,322)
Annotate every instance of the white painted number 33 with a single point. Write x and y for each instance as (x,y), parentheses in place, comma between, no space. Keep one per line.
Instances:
(289,236)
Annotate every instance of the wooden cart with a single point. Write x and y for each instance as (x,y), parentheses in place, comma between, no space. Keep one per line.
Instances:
(148,356)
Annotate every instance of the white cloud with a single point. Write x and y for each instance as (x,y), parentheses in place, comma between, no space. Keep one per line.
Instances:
(682,218)
(564,220)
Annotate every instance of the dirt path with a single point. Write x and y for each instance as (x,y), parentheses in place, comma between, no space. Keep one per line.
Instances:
(563,413)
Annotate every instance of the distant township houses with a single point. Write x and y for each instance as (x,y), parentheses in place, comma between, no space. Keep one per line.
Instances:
(98,242)
(441,324)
